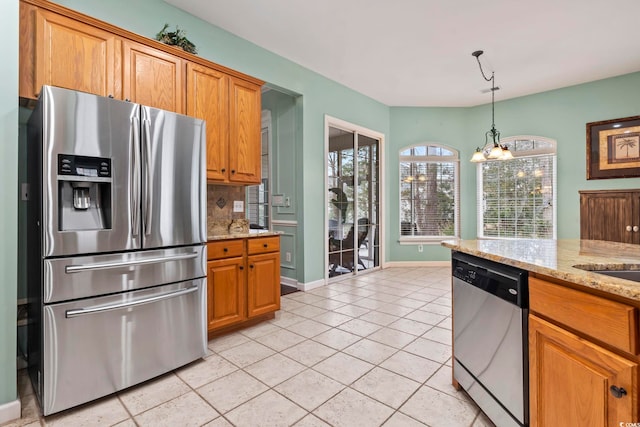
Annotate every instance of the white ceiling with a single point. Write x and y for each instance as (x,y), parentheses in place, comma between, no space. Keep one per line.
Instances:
(418,52)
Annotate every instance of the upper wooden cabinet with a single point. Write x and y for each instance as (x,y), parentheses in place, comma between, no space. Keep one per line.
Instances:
(208,99)
(612,215)
(152,77)
(231,108)
(68,54)
(244,132)
(61,47)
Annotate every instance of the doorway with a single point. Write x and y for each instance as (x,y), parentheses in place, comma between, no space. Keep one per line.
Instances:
(353,199)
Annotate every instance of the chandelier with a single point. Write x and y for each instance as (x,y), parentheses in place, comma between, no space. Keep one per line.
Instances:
(495,150)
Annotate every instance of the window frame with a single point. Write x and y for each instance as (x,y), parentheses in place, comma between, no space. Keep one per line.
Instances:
(550,149)
(455,160)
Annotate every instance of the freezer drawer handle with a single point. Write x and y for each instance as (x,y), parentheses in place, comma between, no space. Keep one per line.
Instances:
(100,309)
(107,265)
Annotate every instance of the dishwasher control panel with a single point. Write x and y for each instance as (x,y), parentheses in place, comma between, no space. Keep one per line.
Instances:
(504,281)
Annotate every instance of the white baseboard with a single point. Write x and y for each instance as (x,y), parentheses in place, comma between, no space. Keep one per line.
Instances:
(311,285)
(302,286)
(407,264)
(289,282)
(10,411)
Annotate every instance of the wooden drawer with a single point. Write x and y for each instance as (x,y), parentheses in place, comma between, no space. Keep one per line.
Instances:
(611,322)
(225,249)
(261,245)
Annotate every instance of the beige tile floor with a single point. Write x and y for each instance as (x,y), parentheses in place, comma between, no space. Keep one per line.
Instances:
(368,351)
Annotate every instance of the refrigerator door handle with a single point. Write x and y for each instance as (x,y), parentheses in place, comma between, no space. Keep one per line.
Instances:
(99,309)
(135,178)
(146,126)
(103,266)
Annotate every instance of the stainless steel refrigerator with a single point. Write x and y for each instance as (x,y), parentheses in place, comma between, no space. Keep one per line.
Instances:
(116,245)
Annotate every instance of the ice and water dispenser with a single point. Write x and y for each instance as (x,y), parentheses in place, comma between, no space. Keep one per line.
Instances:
(84,189)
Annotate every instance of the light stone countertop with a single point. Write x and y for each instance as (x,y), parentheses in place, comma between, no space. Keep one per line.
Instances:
(557,258)
(250,234)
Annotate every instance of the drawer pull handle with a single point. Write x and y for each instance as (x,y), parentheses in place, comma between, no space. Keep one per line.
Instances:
(617,392)
(225,249)
(118,264)
(156,298)
(265,245)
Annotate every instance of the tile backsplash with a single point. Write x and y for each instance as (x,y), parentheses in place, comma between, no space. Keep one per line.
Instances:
(220,200)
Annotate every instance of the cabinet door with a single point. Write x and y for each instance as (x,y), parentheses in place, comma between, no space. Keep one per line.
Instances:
(570,380)
(152,77)
(208,99)
(606,216)
(226,297)
(73,55)
(263,284)
(244,132)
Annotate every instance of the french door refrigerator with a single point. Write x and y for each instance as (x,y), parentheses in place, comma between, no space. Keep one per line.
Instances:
(116,245)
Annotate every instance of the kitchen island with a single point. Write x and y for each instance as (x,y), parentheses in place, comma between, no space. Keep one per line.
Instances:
(582,327)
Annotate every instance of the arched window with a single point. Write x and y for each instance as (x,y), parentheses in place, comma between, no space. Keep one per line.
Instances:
(517,197)
(429,193)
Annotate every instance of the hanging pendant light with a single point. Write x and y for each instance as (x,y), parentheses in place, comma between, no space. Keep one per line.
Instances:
(478,156)
(497,151)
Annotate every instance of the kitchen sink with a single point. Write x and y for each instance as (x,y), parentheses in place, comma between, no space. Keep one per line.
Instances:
(623,271)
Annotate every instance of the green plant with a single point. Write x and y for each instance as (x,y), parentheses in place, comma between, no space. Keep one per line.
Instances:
(176,38)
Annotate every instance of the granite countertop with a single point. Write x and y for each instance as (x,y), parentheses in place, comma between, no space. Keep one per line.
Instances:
(249,234)
(557,258)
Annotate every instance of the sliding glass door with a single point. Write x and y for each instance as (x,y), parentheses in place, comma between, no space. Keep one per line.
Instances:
(353,205)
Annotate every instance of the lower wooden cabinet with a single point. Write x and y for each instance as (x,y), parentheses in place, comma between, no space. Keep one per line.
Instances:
(226,292)
(574,382)
(243,281)
(264,271)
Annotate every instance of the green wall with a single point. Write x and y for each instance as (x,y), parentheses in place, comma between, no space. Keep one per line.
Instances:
(286,159)
(410,126)
(560,114)
(9,196)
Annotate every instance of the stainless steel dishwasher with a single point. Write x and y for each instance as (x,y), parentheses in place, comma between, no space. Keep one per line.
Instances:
(490,307)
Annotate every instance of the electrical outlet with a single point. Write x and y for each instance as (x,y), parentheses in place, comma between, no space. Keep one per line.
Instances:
(287,257)
(238,206)
(420,248)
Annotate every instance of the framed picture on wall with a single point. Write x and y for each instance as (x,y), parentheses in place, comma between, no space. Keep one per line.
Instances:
(613,148)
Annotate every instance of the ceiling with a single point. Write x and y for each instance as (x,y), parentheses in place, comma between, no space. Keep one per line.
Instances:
(418,52)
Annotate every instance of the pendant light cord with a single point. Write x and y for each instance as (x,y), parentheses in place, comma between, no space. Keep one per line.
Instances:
(491,79)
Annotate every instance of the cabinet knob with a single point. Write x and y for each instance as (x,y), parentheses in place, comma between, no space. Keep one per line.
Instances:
(251,266)
(265,245)
(617,392)
(223,170)
(629,228)
(127,100)
(233,171)
(635,228)
(225,250)
(241,267)
(110,96)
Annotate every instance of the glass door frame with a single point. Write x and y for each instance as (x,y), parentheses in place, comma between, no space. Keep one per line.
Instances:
(332,122)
